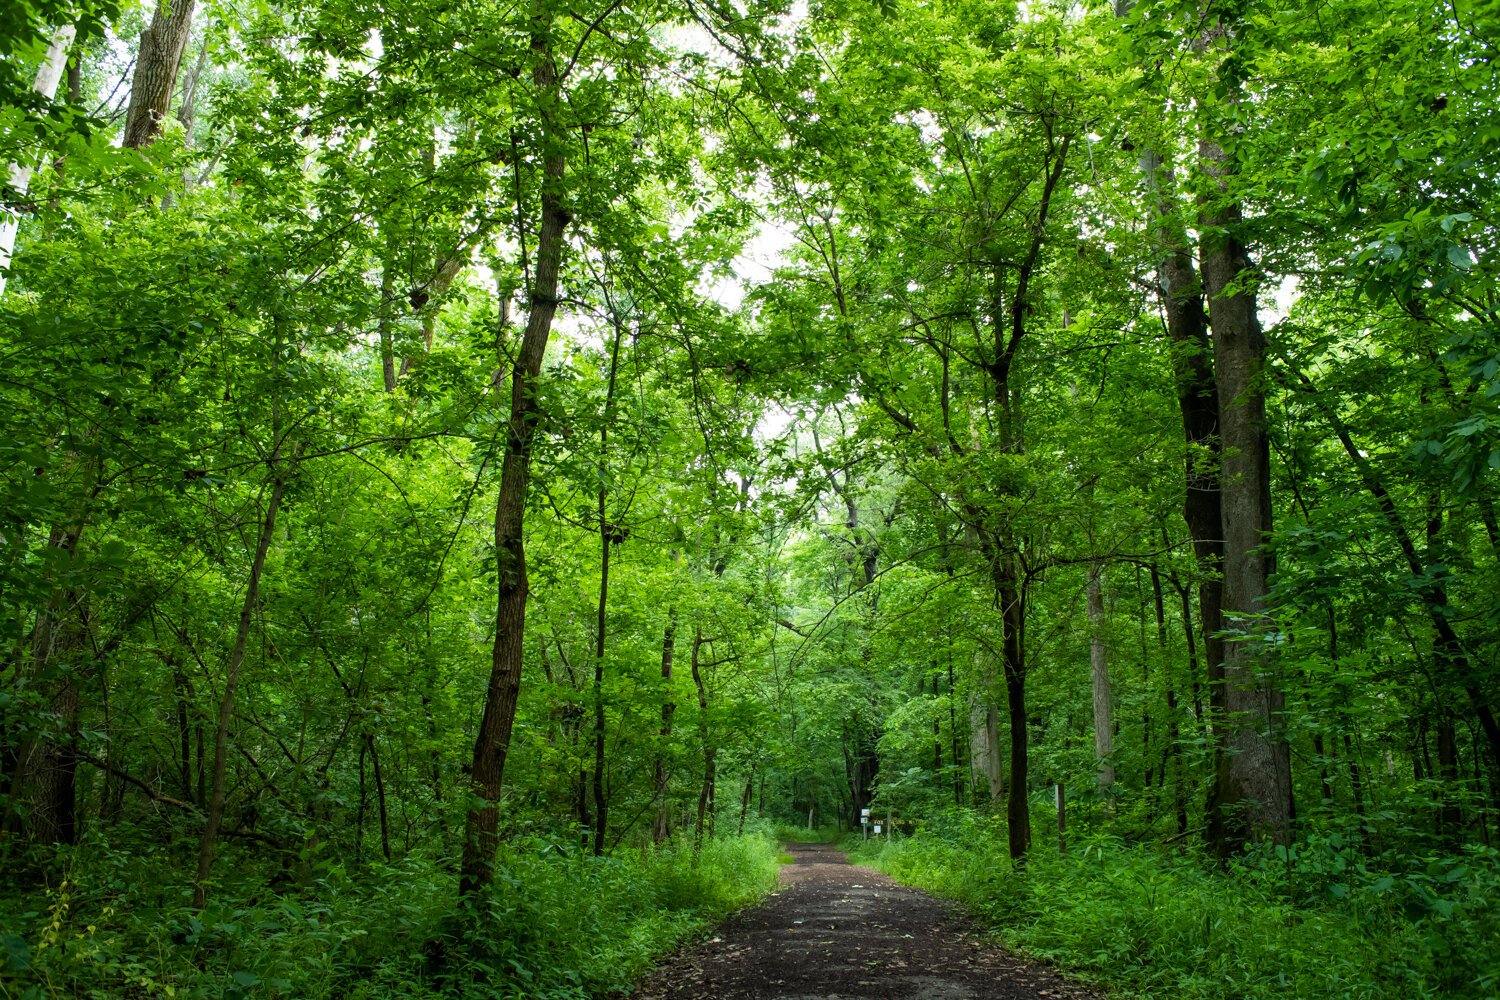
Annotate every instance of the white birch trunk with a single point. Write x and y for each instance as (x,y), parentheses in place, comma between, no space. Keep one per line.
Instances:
(47,78)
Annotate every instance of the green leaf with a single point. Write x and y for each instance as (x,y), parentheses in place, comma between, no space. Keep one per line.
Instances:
(17,954)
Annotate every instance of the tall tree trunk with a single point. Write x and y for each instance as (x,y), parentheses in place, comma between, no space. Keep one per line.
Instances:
(1172,752)
(1104,733)
(156,66)
(187,106)
(380,802)
(958,781)
(662,828)
(937,736)
(215,809)
(45,767)
(745,800)
(706,789)
(607,539)
(1198,402)
(1253,787)
(1017,809)
(1009,328)
(481,828)
(986,769)
(182,692)
(45,86)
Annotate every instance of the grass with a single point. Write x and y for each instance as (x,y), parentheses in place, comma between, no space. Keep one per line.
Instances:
(1318,921)
(557,925)
(808,835)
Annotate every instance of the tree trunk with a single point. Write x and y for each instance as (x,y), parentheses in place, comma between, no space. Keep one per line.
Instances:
(986,769)
(661,829)
(45,86)
(607,539)
(958,781)
(156,66)
(937,737)
(45,767)
(1172,752)
(481,828)
(706,789)
(745,800)
(215,810)
(1253,787)
(380,803)
(1104,735)
(1017,810)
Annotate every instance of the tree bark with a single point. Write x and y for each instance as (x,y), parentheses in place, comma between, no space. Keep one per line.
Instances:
(706,789)
(1104,734)
(607,539)
(46,767)
(481,828)
(662,828)
(1253,786)
(45,86)
(986,769)
(156,66)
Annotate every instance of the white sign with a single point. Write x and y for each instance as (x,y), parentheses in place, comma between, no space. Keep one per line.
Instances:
(877,829)
(864,820)
(864,814)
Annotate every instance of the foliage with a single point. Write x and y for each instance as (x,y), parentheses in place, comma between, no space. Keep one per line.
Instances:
(875,421)
(1320,920)
(558,923)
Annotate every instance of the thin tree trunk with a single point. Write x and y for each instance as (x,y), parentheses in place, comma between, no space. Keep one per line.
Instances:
(156,67)
(1017,809)
(1172,753)
(1009,322)
(481,828)
(215,811)
(958,783)
(937,738)
(661,830)
(706,790)
(380,803)
(607,538)
(745,800)
(187,107)
(1104,738)
(183,691)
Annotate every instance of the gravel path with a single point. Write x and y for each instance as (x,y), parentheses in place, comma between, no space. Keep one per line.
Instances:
(837,932)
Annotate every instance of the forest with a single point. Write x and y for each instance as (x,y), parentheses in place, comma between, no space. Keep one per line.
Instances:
(476,476)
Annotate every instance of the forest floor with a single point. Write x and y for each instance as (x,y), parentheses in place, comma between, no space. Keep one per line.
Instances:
(838,932)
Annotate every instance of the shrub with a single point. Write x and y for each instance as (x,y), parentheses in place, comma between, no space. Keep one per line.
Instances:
(1307,922)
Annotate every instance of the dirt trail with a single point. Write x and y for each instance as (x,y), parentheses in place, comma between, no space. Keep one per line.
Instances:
(837,932)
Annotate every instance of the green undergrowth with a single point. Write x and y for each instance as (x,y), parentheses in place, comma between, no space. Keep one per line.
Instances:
(558,923)
(808,835)
(1322,920)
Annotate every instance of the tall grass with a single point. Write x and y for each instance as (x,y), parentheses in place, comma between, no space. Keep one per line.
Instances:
(1318,921)
(557,924)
